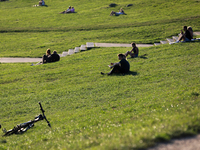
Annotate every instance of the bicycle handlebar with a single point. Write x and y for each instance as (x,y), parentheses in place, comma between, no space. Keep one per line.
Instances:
(23,127)
(44,115)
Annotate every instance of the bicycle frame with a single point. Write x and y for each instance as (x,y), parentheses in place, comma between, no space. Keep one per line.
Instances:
(23,127)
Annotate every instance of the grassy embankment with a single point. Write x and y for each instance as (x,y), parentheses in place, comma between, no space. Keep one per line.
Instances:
(158,100)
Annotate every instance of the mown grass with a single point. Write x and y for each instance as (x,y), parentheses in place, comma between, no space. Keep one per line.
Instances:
(32,28)
(157,100)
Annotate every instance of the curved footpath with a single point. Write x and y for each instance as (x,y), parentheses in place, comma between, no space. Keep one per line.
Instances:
(19,60)
(187,143)
(25,60)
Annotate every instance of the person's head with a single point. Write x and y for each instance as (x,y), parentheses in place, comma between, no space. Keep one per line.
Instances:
(48,52)
(54,52)
(121,56)
(185,28)
(70,7)
(133,44)
(190,28)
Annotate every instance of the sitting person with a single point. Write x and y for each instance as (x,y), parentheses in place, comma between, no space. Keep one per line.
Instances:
(186,37)
(72,10)
(41,3)
(121,67)
(69,10)
(134,52)
(46,57)
(54,57)
(121,12)
(191,31)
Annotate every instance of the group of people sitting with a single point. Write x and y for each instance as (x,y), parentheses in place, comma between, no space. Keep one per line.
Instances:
(48,58)
(123,65)
(69,10)
(185,36)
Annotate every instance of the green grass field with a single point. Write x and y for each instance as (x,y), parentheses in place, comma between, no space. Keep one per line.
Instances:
(158,100)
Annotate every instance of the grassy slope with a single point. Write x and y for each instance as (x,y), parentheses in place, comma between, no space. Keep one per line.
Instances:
(158,100)
(38,28)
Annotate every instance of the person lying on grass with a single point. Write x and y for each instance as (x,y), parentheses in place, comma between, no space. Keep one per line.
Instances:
(69,10)
(121,67)
(41,3)
(121,12)
(186,37)
(134,52)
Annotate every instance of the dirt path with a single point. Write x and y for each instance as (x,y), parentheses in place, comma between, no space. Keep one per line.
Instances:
(188,143)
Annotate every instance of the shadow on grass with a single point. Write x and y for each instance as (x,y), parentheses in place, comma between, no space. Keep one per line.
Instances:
(165,138)
(133,73)
(142,56)
(40,6)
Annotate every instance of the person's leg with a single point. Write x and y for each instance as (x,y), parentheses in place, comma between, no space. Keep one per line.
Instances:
(127,53)
(180,37)
(186,39)
(116,69)
(62,12)
(134,55)
(68,12)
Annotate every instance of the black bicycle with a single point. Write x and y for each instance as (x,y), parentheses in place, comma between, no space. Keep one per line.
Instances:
(23,127)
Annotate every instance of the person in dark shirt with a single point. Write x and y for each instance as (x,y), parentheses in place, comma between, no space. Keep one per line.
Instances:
(186,37)
(134,52)
(54,57)
(122,66)
(191,31)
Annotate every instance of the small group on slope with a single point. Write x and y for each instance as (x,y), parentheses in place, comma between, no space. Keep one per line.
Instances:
(69,10)
(185,36)
(48,58)
(123,65)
